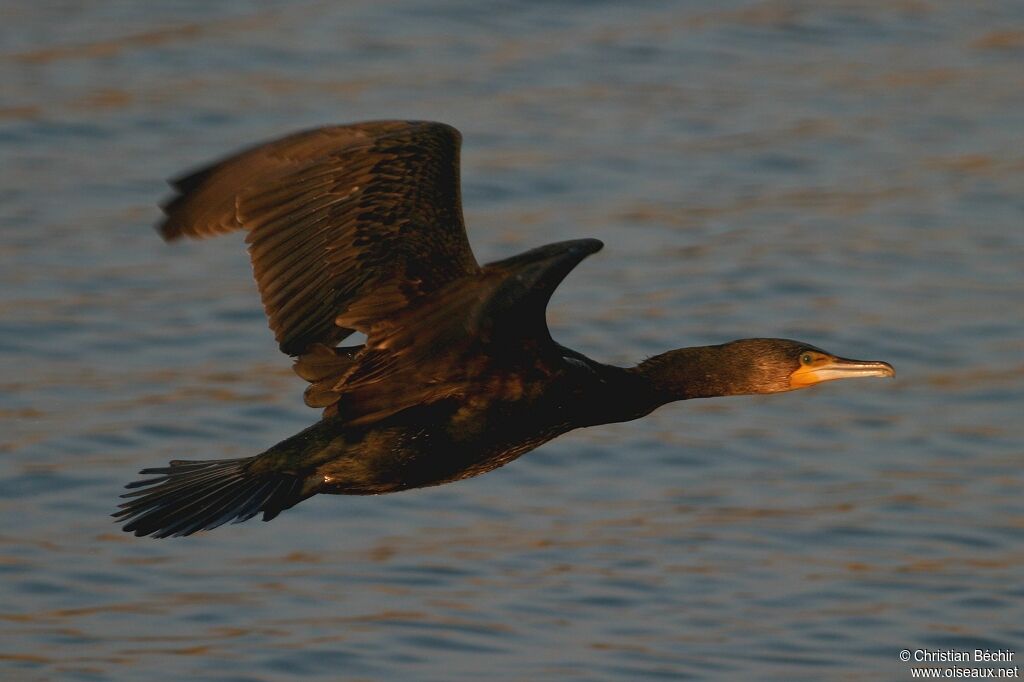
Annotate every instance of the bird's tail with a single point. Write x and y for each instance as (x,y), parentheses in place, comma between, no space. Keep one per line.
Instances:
(186,497)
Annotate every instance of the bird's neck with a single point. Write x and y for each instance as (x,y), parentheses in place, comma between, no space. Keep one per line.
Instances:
(698,372)
(618,394)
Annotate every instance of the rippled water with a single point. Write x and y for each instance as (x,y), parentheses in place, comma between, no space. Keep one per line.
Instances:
(847,173)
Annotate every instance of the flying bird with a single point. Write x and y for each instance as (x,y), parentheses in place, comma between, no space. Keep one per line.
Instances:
(359,228)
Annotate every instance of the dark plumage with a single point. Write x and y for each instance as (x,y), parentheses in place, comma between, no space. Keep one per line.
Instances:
(359,228)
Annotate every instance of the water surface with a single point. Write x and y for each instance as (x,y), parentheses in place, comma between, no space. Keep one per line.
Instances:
(849,174)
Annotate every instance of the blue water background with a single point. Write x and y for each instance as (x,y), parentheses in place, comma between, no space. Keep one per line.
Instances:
(846,173)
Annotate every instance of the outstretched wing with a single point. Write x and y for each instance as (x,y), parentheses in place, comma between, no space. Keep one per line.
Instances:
(481,334)
(347,225)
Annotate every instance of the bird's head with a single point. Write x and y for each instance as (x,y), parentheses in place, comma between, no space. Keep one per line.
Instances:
(750,366)
(777,365)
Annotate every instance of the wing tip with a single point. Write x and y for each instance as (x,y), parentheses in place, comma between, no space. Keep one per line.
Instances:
(169,230)
(587,245)
(173,225)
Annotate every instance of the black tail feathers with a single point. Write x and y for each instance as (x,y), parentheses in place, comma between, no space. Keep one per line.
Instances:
(186,497)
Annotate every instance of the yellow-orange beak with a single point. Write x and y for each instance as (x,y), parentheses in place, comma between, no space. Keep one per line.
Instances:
(830,369)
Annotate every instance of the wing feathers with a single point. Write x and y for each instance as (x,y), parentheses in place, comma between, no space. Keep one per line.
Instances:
(463,335)
(336,215)
(360,227)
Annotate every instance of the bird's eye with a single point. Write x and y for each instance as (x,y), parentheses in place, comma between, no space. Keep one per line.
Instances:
(806,358)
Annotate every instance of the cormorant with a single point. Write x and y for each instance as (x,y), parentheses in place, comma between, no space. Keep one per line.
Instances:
(359,228)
